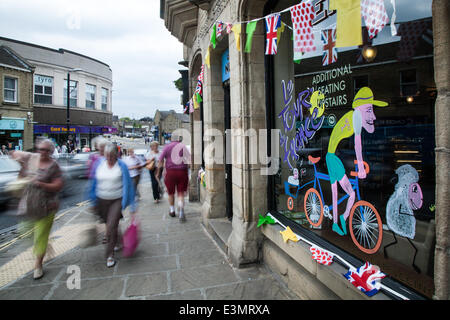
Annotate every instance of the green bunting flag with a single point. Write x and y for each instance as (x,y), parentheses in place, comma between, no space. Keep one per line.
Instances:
(267,219)
(250,29)
(199,97)
(213,36)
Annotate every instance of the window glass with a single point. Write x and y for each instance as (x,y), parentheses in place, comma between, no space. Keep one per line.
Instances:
(104,99)
(73,93)
(10,89)
(374,104)
(90,96)
(43,93)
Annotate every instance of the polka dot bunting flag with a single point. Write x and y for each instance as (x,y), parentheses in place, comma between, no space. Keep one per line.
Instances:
(375,16)
(302,16)
(321,256)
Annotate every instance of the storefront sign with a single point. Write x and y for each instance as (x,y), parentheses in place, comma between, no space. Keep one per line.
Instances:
(321,82)
(8,124)
(43,81)
(40,129)
(16,135)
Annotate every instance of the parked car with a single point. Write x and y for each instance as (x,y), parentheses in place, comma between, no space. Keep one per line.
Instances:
(9,169)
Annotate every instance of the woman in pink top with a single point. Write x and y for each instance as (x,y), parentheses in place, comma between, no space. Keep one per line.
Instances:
(175,157)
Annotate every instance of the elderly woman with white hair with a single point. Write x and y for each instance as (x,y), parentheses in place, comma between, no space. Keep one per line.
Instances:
(152,158)
(111,191)
(40,202)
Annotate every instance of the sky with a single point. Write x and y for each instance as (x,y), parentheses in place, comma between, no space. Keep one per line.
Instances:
(128,35)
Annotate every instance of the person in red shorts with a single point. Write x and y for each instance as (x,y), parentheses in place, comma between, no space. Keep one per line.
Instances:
(175,157)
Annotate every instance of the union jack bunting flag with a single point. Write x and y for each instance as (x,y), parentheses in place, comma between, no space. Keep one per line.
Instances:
(366,278)
(273,22)
(198,91)
(219,28)
(329,48)
(186,108)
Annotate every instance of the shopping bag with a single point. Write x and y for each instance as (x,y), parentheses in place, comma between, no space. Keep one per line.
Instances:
(130,238)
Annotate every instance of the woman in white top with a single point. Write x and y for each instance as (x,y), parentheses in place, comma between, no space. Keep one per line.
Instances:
(134,166)
(153,156)
(112,191)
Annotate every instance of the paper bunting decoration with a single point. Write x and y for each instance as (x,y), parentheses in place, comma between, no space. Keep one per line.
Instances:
(202,72)
(410,32)
(348,22)
(213,36)
(302,16)
(207,56)
(229,27)
(329,47)
(219,29)
(288,234)
(186,108)
(203,179)
(237,35)
(265,219)
(250,29)
(191,106)
(195,101)
(375,16)
(321,256)
(393,17)
(366,278)
(273,22)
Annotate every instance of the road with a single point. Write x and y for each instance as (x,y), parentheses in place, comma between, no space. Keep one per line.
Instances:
(77,193)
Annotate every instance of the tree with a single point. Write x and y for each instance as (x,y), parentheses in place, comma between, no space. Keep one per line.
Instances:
(179,84)
(125,119)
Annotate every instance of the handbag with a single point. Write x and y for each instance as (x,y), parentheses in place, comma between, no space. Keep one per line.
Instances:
(151,165)
(130,238)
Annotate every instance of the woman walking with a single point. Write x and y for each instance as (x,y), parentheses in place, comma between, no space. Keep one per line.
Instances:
(152,158)
(111,192)
(176,158)
(134,165)
(39,201)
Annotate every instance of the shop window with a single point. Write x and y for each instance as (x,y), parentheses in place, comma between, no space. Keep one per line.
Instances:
(10,90)
(408,83)
(355,169)
(73,93)
(104,99)
(90,96)
(43,89)
(359,82)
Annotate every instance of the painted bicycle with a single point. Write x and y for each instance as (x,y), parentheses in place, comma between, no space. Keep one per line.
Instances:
(365,226)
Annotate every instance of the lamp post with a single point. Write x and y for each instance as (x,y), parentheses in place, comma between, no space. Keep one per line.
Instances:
(90,137)
(68,100)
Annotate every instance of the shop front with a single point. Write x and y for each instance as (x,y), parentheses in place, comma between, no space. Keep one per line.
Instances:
(80,135)
(356,121)
(12,133)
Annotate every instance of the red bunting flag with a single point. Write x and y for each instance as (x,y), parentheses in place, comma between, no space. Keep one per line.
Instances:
(375,16)
(302,16)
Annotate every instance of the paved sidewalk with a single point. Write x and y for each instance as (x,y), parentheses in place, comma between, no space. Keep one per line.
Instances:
(173,261)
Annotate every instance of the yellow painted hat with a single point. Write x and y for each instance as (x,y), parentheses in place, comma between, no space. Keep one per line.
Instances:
(365,96)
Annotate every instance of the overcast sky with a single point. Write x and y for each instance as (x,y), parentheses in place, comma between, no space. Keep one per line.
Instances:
(128,35)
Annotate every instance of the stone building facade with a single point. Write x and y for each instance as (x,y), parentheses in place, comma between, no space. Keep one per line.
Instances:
(235,194)
(16,107)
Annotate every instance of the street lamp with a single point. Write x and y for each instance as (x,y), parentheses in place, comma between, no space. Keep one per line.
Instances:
(68,99)
(90,137)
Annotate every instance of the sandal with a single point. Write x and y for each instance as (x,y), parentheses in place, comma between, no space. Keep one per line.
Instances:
(110,262)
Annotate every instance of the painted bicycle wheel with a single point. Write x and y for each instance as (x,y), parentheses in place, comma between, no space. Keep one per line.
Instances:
(366,228)
(313,207)
(290,203)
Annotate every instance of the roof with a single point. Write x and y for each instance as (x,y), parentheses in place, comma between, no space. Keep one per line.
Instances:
(164,114)
(182,117)
(9,58)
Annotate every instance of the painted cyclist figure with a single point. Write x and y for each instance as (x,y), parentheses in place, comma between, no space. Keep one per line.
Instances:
(351,123)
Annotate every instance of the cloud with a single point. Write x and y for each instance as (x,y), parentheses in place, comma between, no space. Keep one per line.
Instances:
(129,36)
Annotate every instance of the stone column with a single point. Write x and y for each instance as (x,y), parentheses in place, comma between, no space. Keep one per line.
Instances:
(248,116)
(441,35)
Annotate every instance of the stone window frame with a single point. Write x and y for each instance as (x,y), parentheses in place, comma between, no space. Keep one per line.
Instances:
(16,89)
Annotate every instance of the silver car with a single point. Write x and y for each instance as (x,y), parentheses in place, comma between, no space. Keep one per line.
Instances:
(9,170)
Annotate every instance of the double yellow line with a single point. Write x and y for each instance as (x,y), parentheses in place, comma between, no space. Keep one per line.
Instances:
(29,232)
